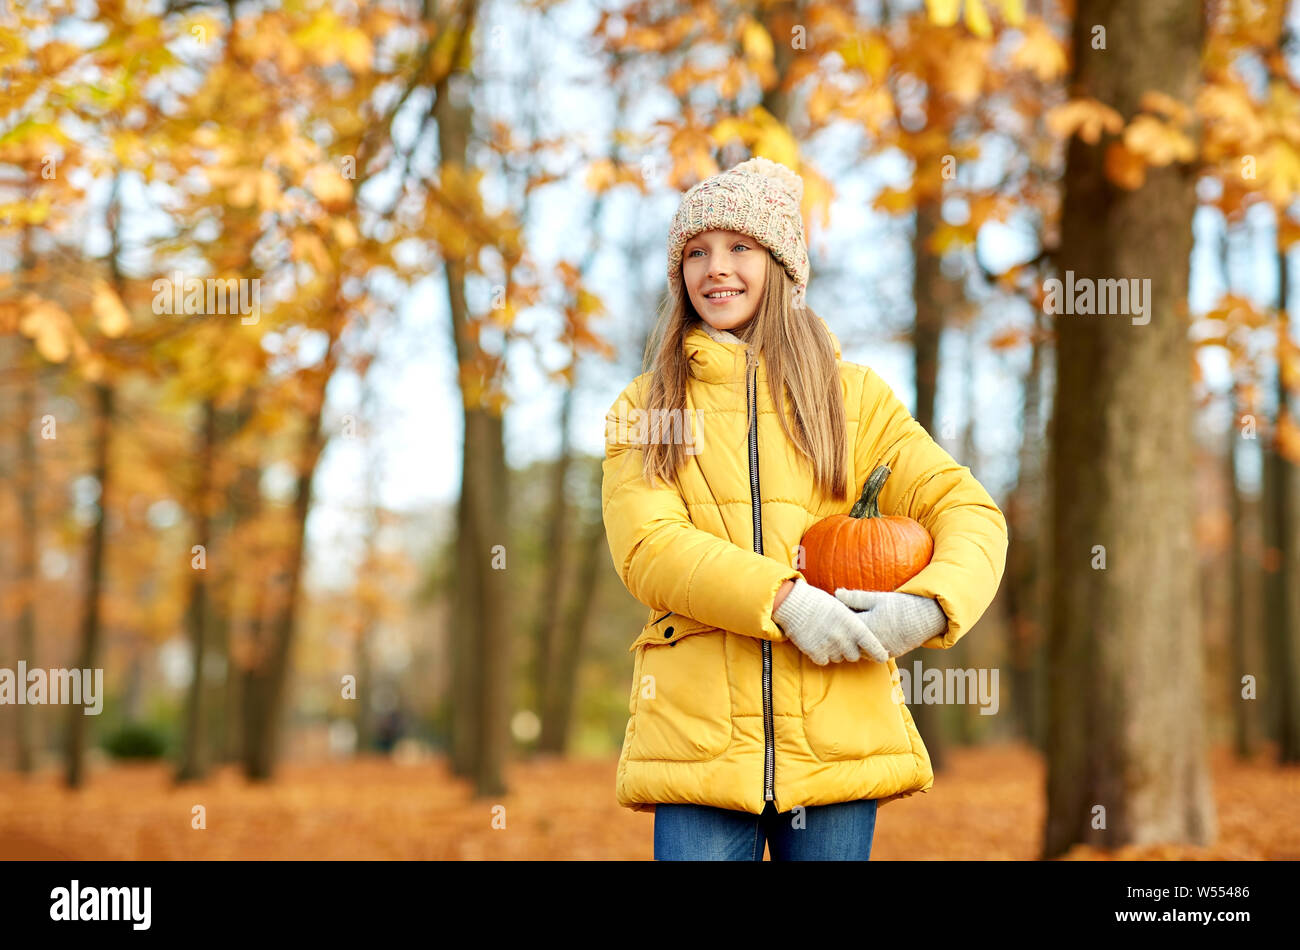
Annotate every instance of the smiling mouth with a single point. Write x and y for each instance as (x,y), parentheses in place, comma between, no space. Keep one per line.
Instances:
(724,297)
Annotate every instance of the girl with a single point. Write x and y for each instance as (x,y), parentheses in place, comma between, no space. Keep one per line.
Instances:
(763,710)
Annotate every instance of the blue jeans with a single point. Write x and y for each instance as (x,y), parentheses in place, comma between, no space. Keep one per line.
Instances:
(839,832)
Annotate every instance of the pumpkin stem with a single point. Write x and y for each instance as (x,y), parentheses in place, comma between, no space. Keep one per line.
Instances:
(867,506)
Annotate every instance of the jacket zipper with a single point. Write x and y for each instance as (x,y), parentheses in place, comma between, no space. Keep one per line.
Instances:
(769,762)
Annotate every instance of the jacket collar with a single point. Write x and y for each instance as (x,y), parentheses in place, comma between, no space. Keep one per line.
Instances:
(714,359)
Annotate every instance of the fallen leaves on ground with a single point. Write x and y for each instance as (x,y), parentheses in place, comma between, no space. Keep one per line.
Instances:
(988,803)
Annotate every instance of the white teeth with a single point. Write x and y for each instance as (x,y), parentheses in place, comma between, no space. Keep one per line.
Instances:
(725,293)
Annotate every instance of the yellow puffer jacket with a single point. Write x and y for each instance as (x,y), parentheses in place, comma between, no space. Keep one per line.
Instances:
(726,711)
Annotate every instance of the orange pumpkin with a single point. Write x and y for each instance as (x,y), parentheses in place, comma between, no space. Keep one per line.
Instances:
(865,550)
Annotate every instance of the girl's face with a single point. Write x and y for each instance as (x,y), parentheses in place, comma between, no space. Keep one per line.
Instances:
(724,260)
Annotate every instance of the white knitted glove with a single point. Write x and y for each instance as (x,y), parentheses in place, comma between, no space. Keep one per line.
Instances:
(823,628)
(901,622)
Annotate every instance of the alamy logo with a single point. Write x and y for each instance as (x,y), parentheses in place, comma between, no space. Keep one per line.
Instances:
(55,687)
(209,296)
(935,686)
(642,427)
(1086,296)
(102,903)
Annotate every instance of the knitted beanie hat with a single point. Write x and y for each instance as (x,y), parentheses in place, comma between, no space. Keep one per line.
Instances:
(758,197)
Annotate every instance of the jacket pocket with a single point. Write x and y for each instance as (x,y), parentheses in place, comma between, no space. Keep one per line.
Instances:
(849,710)
(681,693)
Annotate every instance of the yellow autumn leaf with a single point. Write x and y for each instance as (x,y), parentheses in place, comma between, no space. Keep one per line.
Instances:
(1041,53)
(110,315)
(12,47)
(1288,232)
(307,246)
(25,211)
(1013,11)
(1158,142)
(1155,101)
(1288,361)
(756,42)
(873,107)
(965,68)
(776,142)
(268,191)
(93,367)
(57,55)
(817,195)
(1230,115)
(52,345)
(820,102)
(1086,117)
(345,232)
(356,50)
(894,201)
(38,315)
(1288,438)
(331,189)
(947,236)
(1124,167)
(589,305)
(1008,338)
(1283,110)
(989,207)
(48,325)
(1279,166)
(244,191)
(1235,311)
(730,129)
(977,19)
(943,12)
(600,175)
(877,57)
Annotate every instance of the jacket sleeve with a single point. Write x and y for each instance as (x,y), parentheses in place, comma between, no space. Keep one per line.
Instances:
(663,559)
(927,485)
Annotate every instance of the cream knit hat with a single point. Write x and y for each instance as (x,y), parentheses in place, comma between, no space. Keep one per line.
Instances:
(758,197)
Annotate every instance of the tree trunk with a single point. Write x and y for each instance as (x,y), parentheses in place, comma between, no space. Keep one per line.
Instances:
(481,634)
(466,597)
(90,627)
(591,555)
(1282,564)
(246,694)
(928,293)
(1024,580)
(362,719)
(27,479)
(963,718)
(193,764)
(266,683)
(1126,758)
(244,510)
(547,671)
(133,688)
(1241,632)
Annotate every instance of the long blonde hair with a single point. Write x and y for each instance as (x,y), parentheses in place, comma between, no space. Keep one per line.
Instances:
(800,360)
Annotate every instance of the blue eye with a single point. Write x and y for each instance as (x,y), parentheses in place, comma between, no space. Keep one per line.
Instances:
(733,247)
